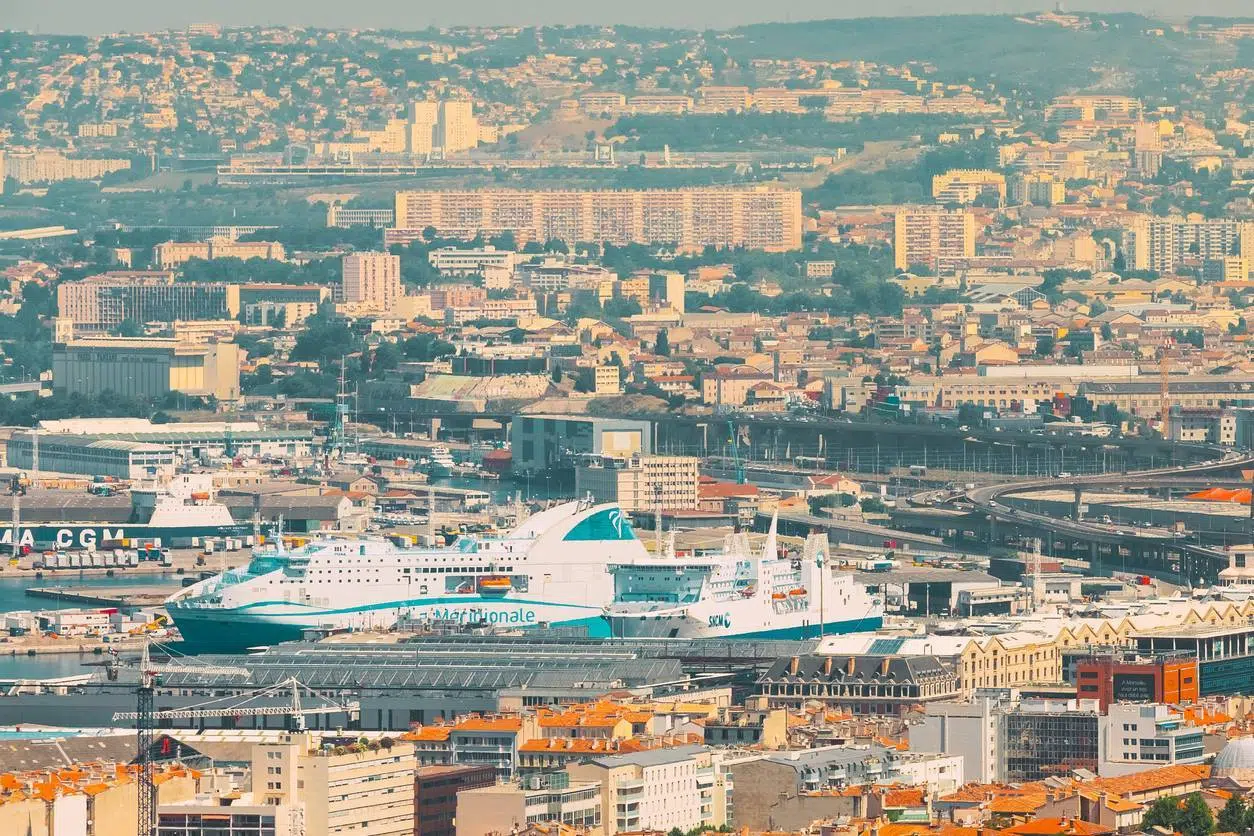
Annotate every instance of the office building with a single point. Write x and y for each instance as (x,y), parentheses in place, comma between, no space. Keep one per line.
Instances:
(966,728)
(340,217)
(106,301)
(936,238)
(1147,735)
(1115,675)
(454,262)
(1044,738)
(1224,653)
(545,798)
(1164,244)
(458,128)
(172,254)
(435,795)
(543,441)
(372,280)
(640,483)
(682,787)
(966,186)
(756,217)
(148,367)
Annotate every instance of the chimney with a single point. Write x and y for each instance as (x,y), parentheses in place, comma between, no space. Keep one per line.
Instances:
(852,665)
(794,665)
(827,666)
(884,666)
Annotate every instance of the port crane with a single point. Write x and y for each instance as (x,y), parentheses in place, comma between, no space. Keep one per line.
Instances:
(254,703)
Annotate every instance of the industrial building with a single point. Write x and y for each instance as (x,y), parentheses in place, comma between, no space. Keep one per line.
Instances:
(91,456)
(540,442)
(146,367)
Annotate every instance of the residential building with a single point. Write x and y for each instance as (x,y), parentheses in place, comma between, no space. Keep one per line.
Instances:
(937,238)
(106,301)
(236,814)
(1164,244)
(542,798)
(690,219)
(966,186)
(862,685)
(967,728)
(667,290)
(458,128)
(729,386)
(436,789)
(340,217)
(44,166)
(344,788)
(1230,268)
(1040,188)
(640,483)
(681,787)
(173,254)
(372,279)
(607,380)
(149,367)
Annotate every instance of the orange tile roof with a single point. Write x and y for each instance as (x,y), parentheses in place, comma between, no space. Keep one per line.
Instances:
(1016,804)
(501,724)
(904,798)
(1154,779)
(1057,827)
(428,734)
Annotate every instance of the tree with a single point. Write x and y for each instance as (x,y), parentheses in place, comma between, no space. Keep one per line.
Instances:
(557,374)
(1196,818)
(662,347)
(1162,813)
(128,328)
(622,307)
(1045,347)
(1232,818)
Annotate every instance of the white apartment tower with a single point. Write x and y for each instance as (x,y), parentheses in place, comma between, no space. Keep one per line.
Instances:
(423,118)
(459,129)
(372,279)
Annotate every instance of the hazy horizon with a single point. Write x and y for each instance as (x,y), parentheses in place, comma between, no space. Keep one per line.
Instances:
(83,17)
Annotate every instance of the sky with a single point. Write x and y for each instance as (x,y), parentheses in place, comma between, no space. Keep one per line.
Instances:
(95,16)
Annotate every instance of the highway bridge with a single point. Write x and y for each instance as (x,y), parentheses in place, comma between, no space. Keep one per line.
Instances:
(990,509)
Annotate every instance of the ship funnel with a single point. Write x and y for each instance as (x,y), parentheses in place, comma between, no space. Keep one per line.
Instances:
(770,549)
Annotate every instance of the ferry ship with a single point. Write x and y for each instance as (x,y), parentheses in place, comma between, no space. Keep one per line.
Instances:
(157,515)
(736,594)
(548,570)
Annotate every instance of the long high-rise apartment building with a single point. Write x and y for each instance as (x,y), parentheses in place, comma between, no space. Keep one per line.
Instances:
(934,237)
(1164,244)
(758,217)
(372,279)
(103,302)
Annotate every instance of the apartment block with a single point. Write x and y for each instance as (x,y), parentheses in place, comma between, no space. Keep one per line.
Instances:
(435,795)
(458,128)
(1142,736)
(966,186)
(372,279)
(758,217)
(1164,244)
(106,301)
(365,790)
(939,239)
(171,254)
(545,798)
(1040,188)
(683,787)
(53,167)
(640,483)
(455,262)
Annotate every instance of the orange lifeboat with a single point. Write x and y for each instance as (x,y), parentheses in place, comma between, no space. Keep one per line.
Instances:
(778,596)
(495,585)
(798,592)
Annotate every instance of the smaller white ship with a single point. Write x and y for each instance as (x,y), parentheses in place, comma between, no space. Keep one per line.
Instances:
(736,594)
